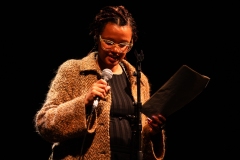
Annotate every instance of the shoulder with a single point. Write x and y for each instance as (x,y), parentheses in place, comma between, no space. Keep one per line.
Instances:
(70,64)
(132,70)
(85,63)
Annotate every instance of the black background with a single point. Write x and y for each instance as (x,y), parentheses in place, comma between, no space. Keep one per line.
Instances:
(38,37)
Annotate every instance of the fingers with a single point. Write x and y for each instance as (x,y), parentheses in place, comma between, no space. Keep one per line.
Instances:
(159,119)
(156,122)
(98,89)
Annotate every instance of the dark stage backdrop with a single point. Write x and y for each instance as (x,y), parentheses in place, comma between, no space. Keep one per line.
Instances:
(204,36)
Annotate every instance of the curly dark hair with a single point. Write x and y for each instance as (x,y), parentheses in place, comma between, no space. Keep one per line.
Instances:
(115,14)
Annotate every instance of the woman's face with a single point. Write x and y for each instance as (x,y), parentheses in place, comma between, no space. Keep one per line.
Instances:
(113,44)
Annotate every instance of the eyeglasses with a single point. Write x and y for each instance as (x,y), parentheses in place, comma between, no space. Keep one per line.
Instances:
(107,45)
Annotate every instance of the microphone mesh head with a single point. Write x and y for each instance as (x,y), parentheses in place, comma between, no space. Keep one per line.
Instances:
(107,74)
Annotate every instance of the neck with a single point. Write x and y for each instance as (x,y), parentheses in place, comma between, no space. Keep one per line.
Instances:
(117,70)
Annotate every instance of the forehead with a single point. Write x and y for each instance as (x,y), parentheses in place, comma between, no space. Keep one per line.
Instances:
(116,32)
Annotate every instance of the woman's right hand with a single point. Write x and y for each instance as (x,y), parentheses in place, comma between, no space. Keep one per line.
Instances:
(98,89)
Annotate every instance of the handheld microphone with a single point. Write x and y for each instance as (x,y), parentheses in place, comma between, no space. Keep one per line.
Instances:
(106,75)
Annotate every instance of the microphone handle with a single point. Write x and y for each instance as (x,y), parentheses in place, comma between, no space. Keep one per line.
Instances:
(97,99)
(95,103)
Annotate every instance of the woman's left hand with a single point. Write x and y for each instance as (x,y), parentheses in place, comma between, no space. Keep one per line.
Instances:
(156,123)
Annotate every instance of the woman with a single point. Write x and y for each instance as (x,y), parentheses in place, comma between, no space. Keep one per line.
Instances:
(67,118)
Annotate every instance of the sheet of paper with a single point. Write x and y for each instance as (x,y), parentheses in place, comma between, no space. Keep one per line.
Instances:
(179,90)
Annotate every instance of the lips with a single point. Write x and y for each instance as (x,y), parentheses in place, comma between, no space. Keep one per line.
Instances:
(114,57)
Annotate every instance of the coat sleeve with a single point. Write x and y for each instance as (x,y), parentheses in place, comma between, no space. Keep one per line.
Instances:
(153,147)
(63,115)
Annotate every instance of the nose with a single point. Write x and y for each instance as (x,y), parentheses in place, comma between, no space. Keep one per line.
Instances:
(116,48)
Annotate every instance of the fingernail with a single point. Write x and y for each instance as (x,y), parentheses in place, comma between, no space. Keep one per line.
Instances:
(149,119)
